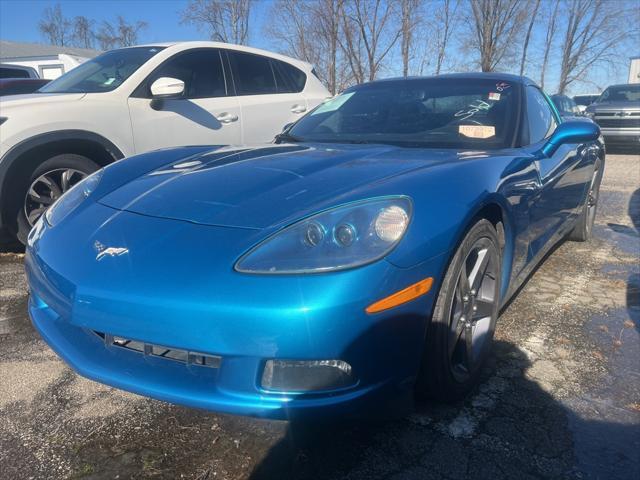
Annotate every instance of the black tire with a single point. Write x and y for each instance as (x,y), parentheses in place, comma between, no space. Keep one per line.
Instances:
(583,230)
(65,162)
(443,375)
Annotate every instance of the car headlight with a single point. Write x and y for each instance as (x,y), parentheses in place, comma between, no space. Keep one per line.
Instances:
(72,198)
(589,114)
(344,237)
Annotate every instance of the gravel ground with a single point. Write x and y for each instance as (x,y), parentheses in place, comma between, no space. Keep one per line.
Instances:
(559,399)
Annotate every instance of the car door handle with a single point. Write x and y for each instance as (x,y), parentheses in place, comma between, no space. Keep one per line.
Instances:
(298,109)
(227,118)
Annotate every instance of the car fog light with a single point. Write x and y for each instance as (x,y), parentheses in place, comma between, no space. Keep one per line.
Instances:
(306,376)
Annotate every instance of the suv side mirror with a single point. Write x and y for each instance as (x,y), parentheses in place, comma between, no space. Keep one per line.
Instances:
(577,131)
(166,87)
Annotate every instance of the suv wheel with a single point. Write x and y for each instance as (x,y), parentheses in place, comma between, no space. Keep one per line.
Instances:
(47,183)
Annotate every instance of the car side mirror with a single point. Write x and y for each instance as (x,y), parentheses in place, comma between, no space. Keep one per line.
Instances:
(577,131)
(166,87)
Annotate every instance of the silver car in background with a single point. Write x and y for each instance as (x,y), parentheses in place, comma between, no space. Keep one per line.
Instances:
(617,112)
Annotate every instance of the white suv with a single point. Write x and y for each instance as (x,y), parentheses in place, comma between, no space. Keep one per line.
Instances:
(137,99)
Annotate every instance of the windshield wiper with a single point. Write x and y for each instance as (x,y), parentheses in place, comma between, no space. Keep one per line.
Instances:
(286,137)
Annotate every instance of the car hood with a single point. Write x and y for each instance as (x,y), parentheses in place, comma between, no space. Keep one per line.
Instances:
(256,187)
(38,99)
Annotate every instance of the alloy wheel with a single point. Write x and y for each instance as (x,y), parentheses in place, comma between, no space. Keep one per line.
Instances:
(472,308)
(46,189)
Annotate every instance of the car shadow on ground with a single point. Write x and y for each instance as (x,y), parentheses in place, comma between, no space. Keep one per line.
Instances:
(510,427)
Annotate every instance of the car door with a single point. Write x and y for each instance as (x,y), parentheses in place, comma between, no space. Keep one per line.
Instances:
(268,98)
(206,114)
(562,176)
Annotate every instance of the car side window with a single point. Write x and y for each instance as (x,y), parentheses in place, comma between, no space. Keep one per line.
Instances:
(540,117)
(200,70)
(252,74)
(6,72)
(289,79)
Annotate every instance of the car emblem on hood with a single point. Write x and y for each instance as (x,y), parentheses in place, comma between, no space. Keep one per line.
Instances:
(104,251)
(622,114)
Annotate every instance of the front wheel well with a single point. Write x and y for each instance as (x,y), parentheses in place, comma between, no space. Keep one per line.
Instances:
(17,176)
(493,213)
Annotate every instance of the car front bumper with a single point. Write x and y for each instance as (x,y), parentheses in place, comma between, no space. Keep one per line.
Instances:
(619,135)
(183,301)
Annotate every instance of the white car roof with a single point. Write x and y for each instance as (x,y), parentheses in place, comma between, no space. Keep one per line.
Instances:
(178,46)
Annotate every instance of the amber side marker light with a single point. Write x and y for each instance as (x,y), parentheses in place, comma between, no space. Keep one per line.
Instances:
(403,296)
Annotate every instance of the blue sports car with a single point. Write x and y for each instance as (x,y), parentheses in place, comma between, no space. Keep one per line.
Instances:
(359,260)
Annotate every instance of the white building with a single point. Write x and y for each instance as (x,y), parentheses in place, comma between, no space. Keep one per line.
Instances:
(49,61)
(634,70)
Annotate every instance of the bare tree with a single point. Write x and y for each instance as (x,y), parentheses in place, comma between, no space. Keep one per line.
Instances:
(83,35)
(445,24)
(120,34)
(595,33)
(497,24)
(54,26)
(527,37)
(368,36)
(223,20)
(329,30)
(309,30)
(128,32)
(409,21)
(548,40)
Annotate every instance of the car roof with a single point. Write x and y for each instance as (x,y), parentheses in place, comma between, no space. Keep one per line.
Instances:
(228,46)
(7,81)
(504,77)
(622,85)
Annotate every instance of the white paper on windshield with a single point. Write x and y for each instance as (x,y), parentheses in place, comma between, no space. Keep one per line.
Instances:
(333,104)
(477,131)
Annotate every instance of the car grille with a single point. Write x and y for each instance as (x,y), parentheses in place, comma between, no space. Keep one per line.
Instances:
(159,351)
(628,122)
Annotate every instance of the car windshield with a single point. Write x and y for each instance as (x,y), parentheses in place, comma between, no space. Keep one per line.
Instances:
(621,93)
(585,100)
(437,112)
(103,73)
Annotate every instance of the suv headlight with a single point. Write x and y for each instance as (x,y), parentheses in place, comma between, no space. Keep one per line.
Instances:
(72,198)
(344,237)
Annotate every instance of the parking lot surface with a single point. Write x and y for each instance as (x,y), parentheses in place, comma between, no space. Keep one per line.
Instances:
(560,397)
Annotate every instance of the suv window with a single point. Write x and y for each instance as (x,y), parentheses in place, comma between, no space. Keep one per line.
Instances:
(200,70)
(252,74)
(6,72)
(540,117)
(288,78)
